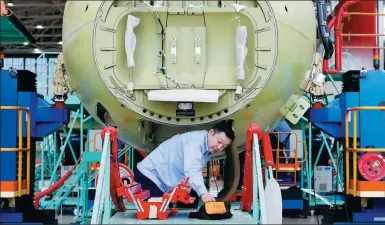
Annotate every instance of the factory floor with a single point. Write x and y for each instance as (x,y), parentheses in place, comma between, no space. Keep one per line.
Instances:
(67,219)
(214,187)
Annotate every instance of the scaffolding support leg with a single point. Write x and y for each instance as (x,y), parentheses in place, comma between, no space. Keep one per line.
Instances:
(258,188)
(102,195)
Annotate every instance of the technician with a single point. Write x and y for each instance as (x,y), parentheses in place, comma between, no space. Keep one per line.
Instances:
(184,155)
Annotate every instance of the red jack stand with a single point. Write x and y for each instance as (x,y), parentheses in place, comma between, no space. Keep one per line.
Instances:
(156,208)
(247,190)
(147,208)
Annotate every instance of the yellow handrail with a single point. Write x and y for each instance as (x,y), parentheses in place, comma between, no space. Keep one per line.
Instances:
(292,150)
(355,149)
(20,148)
(296,161)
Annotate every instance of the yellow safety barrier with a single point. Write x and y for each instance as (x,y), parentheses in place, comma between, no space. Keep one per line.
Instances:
(20,148)
(354,149)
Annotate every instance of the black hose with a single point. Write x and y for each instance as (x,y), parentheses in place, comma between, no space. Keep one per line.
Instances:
(323,29)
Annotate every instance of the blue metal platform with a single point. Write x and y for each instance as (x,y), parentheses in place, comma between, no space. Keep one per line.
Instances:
(292,204)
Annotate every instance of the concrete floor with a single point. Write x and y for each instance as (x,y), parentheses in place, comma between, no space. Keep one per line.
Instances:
(239,217)
(67,219)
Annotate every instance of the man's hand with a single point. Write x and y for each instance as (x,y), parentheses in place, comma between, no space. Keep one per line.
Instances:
(207,197)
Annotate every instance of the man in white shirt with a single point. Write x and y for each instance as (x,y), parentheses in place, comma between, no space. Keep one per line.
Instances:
(183,155)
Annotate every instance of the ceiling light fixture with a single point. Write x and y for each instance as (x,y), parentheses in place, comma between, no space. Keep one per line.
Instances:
(60,43)
(10,4)
(25,43)
(39,26)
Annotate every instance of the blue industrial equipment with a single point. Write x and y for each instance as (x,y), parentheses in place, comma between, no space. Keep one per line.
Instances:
(293,202)
(360,88)
(25,118)
(363,89)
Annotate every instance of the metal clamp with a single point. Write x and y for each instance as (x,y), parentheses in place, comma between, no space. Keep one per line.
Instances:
(197,50)
(173,50)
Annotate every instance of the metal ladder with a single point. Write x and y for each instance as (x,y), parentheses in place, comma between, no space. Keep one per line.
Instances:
(62,193)
(287,167)
(291,164)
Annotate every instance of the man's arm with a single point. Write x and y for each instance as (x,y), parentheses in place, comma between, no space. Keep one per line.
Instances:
(193,168)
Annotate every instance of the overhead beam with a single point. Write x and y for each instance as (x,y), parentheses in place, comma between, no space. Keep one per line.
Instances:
(40,16)
(46,35)
(47,43)
(8,52)
(11,34)
(58,6)
(29,21)
(50,26)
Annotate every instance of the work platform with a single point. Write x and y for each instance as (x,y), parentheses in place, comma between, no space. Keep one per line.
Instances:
(129,217)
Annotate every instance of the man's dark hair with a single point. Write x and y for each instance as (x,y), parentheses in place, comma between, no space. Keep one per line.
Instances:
(225,126)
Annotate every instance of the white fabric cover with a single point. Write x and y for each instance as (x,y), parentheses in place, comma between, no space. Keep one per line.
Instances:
(241,51)
(130,39)
(273,196)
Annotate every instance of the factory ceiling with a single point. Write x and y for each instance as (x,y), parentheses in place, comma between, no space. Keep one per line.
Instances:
(43,19)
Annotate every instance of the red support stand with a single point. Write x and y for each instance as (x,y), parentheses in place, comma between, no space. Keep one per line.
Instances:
(147,208)
(158,208)
(247,190)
